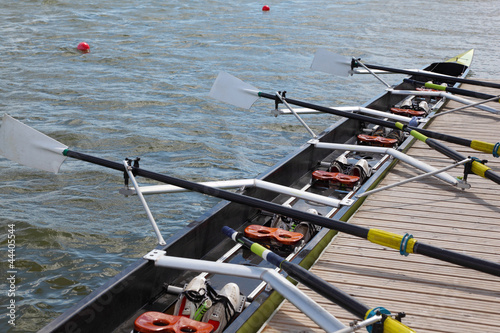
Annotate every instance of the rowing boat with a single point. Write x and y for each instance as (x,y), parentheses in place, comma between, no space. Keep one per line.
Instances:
(328,176)
(339,173)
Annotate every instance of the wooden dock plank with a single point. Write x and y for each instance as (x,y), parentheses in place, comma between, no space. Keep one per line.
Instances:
(436,296)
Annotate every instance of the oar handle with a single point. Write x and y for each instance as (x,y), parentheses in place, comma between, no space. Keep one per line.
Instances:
(490,148)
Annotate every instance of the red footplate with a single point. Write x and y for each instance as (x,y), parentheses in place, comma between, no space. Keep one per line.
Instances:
(335,177)
(407,112)
(283,236)
(377,140)
(158,322)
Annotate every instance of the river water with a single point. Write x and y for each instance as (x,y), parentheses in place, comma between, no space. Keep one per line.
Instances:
(143,91)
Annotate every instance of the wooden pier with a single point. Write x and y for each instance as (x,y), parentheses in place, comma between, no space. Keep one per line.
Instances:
(436,296)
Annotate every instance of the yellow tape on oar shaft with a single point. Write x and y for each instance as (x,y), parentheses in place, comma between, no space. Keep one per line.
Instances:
(479,168)
(483,146)
(391,325)
(390,239)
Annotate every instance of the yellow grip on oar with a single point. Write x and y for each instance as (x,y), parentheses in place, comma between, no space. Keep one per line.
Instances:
(479,168)
(415,134)
(485,146)
(391,325)
(392,240)
(435,86)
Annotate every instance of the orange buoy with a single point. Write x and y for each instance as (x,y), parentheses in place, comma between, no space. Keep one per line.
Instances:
(283,236)
(265,8)
(158,322)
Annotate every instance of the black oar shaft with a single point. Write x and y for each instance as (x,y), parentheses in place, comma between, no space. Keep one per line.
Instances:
(491,175)
(340,226)
(336,112)
(376,121)
(478,145)
(454,257)
(230,196)
(435,76)
(438,146)
(322,287)
(443,137)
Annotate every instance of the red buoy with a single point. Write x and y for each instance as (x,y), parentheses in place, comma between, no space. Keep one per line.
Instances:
(83,47)
(265,8)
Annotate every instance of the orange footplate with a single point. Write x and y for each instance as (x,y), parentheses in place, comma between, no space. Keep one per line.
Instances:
(335,177)
(377,140)
(283,236)
(408,112)
(425,89)
(158,322)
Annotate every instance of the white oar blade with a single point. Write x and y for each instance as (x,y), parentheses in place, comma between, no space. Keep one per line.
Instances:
(231,90)
(25,145)
(329,62)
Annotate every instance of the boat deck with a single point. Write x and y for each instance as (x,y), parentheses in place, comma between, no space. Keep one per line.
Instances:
(436,296)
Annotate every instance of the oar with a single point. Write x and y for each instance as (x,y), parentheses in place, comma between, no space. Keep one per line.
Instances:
(232,90)
(329,62)
(453,90)
(26,145)
(317,284)
(477,167)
